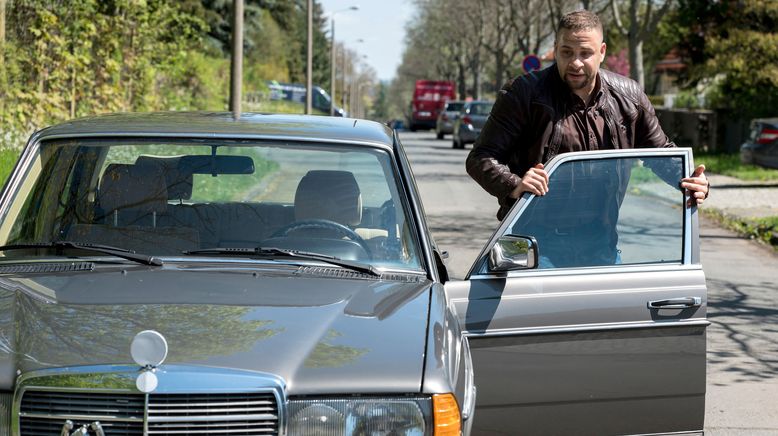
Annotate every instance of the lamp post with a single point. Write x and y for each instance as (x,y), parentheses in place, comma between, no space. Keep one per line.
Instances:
(309,62)
(236,73)
(343,94)
(332,55)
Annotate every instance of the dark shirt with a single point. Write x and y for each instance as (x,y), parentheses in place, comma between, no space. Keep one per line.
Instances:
(583,127)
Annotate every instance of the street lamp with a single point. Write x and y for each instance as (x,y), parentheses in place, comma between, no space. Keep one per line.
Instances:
(332,55)
(343,94)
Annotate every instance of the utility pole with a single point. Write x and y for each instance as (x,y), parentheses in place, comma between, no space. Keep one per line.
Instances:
(332,56)
(236,78)
(309,62)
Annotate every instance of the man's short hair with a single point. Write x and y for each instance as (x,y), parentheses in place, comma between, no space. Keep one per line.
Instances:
(579,20)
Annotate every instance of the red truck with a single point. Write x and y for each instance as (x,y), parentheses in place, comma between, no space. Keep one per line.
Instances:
(429,97)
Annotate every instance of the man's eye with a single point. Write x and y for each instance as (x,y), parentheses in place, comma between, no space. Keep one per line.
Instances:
(567,53)
(587,54)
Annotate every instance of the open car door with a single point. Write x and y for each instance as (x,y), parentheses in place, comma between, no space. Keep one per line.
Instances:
(586,311)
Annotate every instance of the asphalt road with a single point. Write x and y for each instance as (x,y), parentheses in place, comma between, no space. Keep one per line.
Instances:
(742,278)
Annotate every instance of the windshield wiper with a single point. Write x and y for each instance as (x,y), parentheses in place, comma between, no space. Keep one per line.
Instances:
(280,252)
(98,248)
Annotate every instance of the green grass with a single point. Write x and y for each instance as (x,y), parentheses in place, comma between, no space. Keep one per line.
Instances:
(730,165)
(762,229)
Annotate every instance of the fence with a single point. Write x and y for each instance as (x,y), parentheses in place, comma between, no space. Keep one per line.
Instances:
(704,130)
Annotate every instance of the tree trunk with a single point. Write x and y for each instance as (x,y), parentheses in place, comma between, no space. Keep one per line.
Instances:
(461,77)
(499,71)
(636,61)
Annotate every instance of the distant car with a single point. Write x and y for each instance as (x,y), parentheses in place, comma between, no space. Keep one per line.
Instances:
(471,119)
(450,112)
(762,146)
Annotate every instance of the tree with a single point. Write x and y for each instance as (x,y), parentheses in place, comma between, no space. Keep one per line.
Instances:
(731,46)
(640,24)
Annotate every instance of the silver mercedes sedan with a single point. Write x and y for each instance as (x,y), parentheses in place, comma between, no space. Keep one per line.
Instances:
(187,273)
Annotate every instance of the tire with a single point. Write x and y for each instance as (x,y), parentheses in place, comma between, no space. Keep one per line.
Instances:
(440,135)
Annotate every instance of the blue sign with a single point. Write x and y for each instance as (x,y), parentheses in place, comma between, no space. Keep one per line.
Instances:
(531,63)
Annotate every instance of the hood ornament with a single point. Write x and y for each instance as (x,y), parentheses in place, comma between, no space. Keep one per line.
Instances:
(95,427)
(149,350)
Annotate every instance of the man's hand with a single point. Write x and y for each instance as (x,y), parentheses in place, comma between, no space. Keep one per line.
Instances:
(535,181)
(697,185)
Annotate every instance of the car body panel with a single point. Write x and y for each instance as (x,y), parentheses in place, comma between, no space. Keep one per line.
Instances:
(320,334)
(760,149)
(566,350)
(471,120)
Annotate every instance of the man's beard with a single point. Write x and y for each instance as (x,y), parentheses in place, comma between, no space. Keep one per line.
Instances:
(587,81)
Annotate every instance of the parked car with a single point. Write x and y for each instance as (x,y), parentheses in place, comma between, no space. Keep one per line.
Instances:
(186,273)
(445,123)
(762,146)
(471,119)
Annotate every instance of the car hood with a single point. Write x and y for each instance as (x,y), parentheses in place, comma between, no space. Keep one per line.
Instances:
(323,330)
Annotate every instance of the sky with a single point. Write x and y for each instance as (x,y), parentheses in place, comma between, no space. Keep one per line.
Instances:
(380,23)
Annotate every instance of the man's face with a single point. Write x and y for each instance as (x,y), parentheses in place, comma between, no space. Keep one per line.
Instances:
(578,56)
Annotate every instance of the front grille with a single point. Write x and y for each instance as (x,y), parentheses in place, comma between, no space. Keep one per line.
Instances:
(233,414)
(45,412)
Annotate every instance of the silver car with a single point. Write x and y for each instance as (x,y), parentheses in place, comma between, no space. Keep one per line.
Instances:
(447,117)
(471,120)
(186,273)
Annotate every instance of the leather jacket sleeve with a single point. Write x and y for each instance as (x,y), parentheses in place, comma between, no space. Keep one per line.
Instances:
(648,132)
(488,161)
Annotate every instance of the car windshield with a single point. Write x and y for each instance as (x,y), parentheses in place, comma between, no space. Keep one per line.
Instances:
(454,107)
(481,108)
(164,198)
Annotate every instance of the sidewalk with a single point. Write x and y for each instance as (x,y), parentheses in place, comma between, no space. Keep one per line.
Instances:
(742,200)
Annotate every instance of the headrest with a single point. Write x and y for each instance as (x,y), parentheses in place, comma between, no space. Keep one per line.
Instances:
(178,176)
(329,195)
(140,188)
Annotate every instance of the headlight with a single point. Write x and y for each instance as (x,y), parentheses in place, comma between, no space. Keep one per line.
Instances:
(366,416)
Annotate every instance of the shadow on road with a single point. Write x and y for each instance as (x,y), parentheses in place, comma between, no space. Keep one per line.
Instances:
(750,354)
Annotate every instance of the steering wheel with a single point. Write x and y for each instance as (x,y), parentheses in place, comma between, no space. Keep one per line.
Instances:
(321,224)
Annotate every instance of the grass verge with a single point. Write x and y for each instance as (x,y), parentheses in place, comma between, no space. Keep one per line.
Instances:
(730,165)
(761,229)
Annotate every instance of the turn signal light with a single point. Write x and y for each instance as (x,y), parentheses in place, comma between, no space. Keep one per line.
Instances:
(467,120)
(448,422)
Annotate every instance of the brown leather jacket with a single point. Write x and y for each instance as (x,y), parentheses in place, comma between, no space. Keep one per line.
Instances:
(525,128)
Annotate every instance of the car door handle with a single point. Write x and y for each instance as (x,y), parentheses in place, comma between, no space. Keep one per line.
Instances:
(676,303)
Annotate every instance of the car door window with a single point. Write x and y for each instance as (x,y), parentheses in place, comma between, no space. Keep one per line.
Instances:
(609,211)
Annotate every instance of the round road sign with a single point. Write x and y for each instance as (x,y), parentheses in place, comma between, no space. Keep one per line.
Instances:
(530,63)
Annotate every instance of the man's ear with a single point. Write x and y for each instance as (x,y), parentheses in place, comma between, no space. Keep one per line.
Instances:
(603,49)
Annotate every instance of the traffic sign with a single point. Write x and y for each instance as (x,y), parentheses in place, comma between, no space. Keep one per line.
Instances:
(531,63)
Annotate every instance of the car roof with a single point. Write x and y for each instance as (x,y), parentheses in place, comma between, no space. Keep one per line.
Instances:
(223,125)
(473,102)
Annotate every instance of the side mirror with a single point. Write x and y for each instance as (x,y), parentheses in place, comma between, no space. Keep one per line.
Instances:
(512,252)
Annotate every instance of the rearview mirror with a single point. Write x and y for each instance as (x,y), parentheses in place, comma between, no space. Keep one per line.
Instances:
(201,164)
(512,252)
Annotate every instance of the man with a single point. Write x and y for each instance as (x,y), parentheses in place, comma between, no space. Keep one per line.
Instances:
(570,106)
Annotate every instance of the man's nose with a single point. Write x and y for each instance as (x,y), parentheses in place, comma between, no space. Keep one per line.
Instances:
(577,62)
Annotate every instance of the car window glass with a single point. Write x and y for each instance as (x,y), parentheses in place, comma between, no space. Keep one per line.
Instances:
(165,198)
(454,107)
(608,211)
(480,109)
